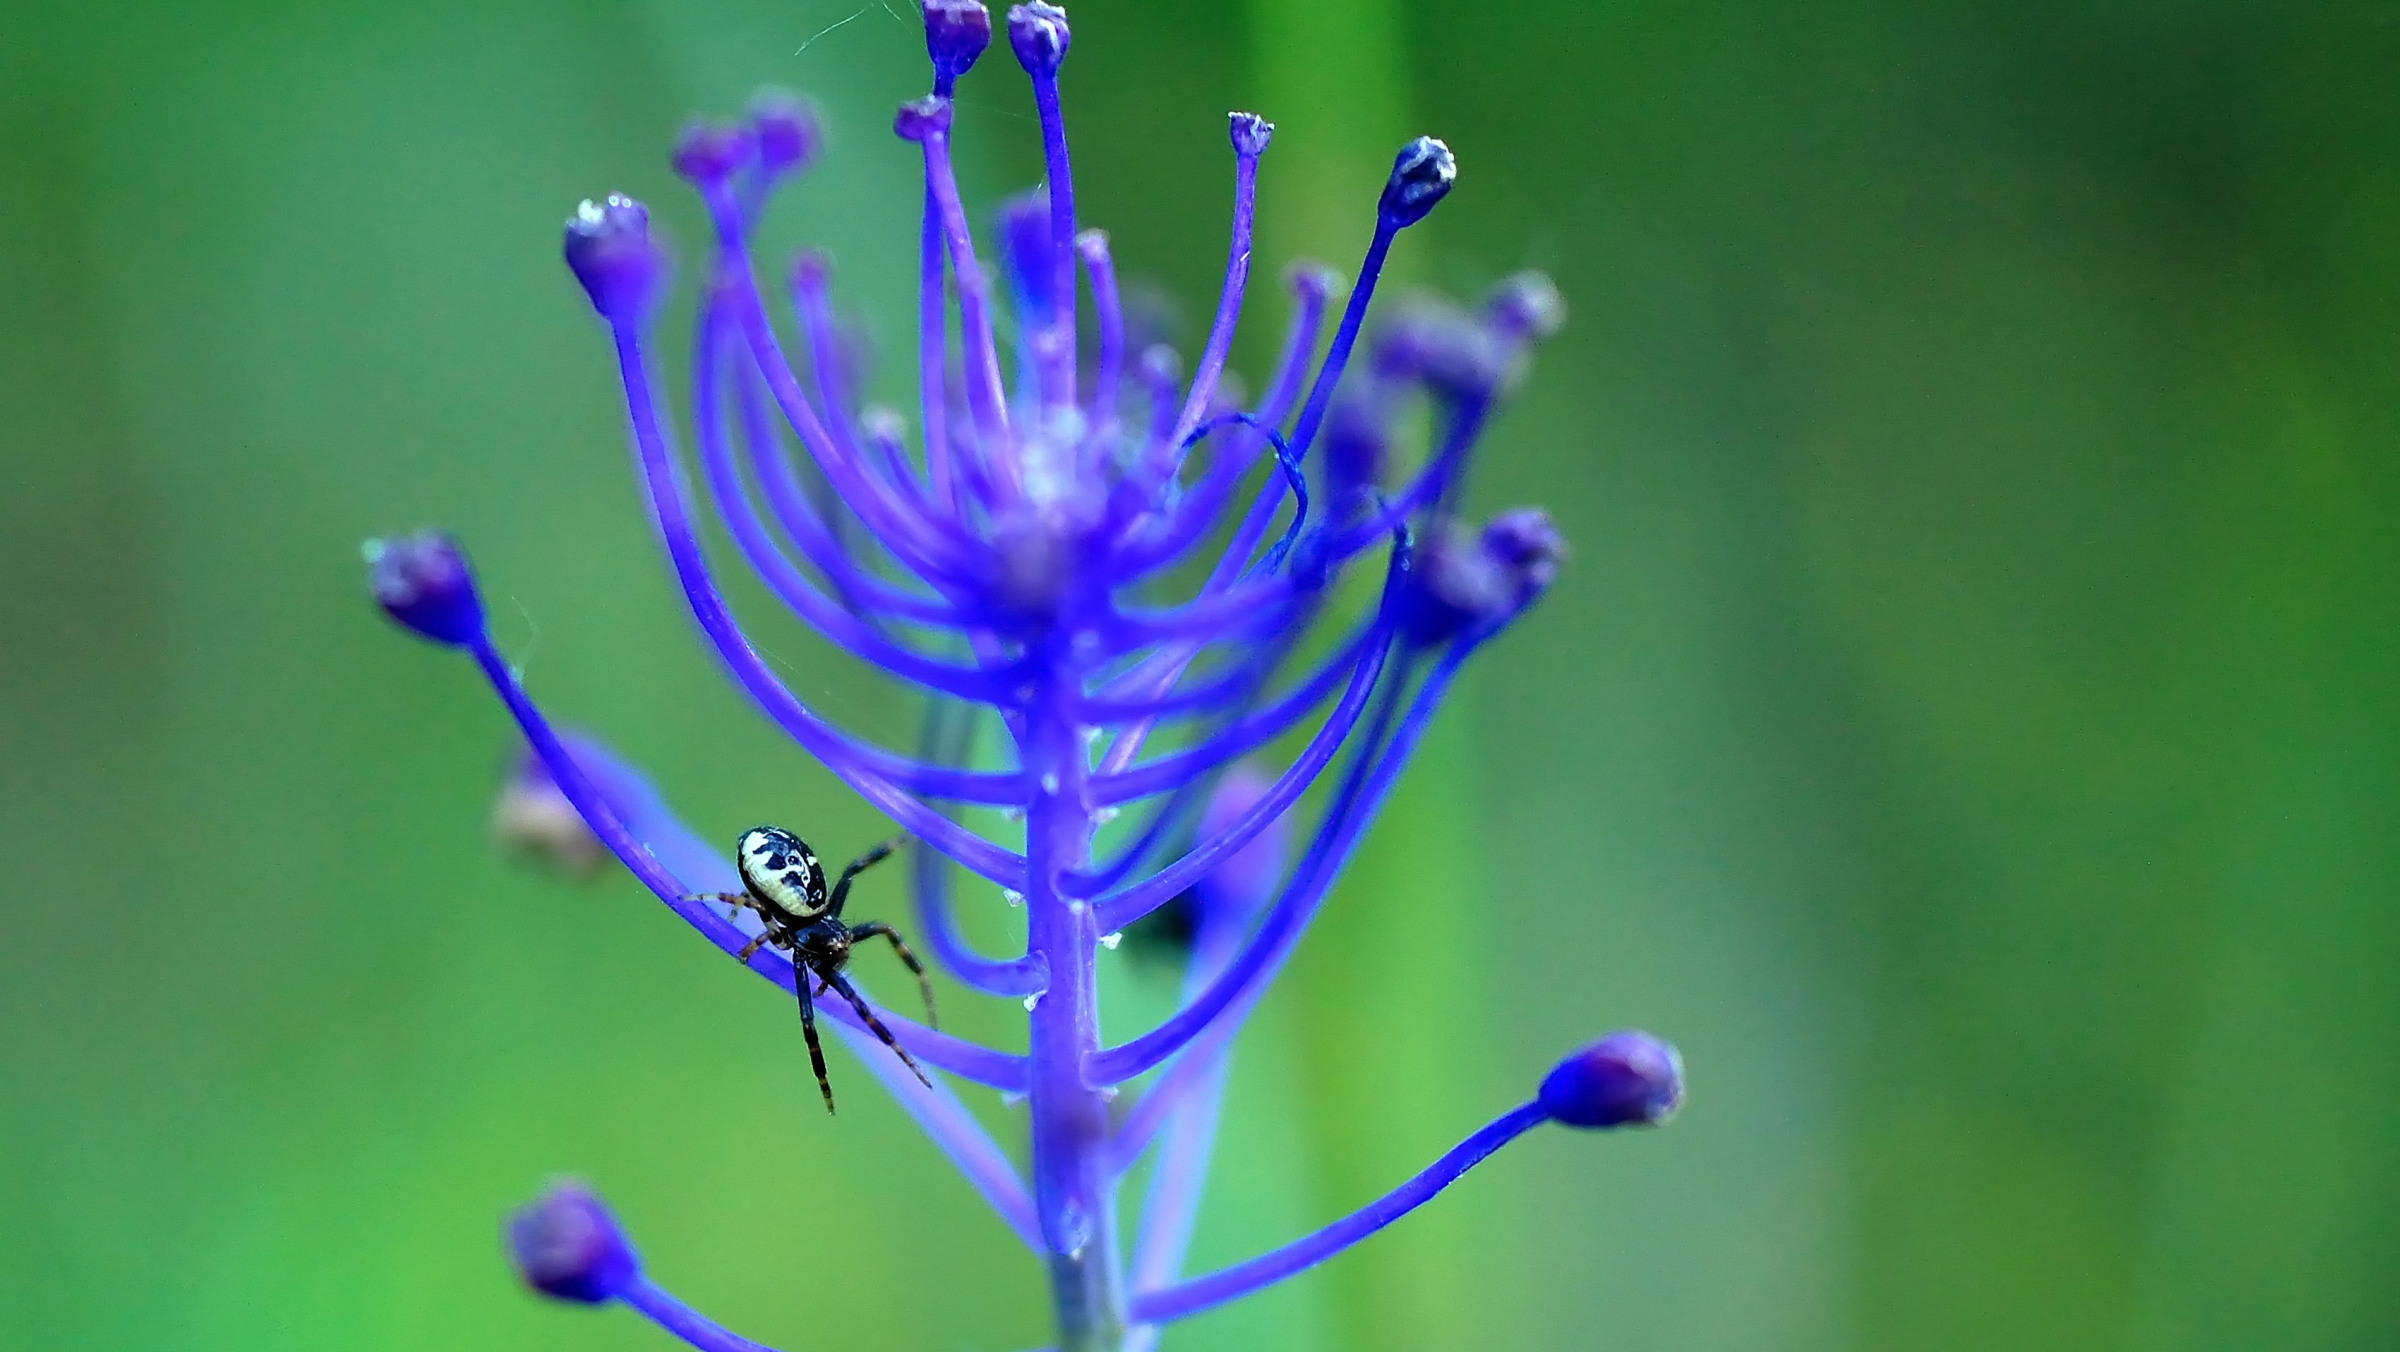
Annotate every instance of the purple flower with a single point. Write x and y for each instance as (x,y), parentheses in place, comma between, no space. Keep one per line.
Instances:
(1019,565)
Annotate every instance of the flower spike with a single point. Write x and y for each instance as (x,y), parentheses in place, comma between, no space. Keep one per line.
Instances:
(1112,584)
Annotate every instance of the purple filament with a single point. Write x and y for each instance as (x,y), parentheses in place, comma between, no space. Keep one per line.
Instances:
(1190,1298)
(664,1309)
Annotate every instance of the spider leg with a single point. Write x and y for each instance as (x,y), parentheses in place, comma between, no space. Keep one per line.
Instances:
(841,887)
(750,950)
(875,1025)
(733,902)
(924,983)
(808,1029)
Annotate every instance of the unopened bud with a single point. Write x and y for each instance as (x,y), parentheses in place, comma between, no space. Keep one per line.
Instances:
(1421,176)
(1627,1079)
(567,1246)
(956,32)
(609,249)
(422,581)
(1037,33)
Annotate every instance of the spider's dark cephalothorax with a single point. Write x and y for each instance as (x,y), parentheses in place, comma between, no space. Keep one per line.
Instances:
(786,886)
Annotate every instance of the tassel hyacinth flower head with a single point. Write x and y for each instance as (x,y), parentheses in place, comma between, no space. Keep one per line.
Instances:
(1116,575)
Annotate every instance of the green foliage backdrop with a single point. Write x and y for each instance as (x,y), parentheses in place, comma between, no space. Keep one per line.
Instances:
(1967,727)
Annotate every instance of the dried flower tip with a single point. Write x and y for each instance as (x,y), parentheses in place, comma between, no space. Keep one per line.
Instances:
(1421,176)
(956,32)
(1038,34)
(1250,133)
(1627,1079)
(531,816)
(923,119)
(610,250)
(567,1246)
(1525,306)
(785,129)
(707,153)
(423,582)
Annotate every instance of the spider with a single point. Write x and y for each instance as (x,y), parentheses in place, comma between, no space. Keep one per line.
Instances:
(783,882)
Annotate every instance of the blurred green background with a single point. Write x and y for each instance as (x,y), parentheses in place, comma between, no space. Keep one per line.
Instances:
(1968,726)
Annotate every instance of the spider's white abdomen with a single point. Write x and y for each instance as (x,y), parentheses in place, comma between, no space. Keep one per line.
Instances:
(780,869)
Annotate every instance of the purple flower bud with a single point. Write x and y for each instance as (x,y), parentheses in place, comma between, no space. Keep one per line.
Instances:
(1032,520)
(1525,306)
(1439,345)
(610,251)
(567,1246)
(785,128)
(923,119)
(812,271)
(1037,33)
(707,153)
(956,32)
(1454,586)
(1311,279)
(1627,1079)
(423,582)
(1250,133)
(1462,583)
(1526,542)
(1421,176)
(1357,443)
